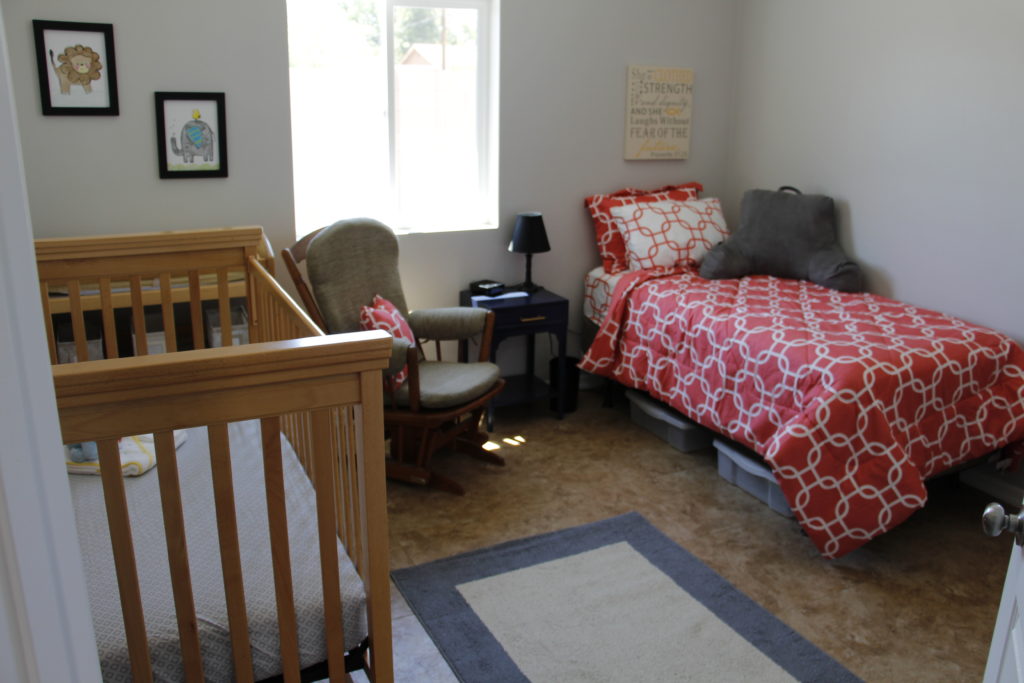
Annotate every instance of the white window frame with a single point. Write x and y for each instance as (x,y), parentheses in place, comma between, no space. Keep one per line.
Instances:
(486,105)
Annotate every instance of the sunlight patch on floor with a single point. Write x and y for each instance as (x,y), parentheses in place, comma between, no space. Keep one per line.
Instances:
(508,441)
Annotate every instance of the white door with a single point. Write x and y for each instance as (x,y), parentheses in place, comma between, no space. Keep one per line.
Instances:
(1006,654)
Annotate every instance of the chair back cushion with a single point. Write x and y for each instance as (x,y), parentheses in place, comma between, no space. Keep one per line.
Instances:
(348,264)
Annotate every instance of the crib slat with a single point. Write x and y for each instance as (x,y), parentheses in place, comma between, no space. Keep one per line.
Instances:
(357,480)
(325,495)
(346,453)
(78,321)
(124,559)
(167,308)
(257,309)
(253,304)
(138,317)
(301,422)
(177,554)
(230,556)
(195,305)
(224,302)
(351,461)
(273,479)
(301,444)
(44,288)
(374,523)
(107,310)
(341,510)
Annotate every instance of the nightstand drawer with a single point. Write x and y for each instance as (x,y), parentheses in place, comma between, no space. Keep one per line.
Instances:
(525,317)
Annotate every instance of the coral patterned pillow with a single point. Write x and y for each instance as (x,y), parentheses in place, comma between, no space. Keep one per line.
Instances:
(610,242)
(383,315)
(669,233)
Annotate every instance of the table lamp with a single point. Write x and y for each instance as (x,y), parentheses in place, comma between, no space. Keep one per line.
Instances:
(529,237)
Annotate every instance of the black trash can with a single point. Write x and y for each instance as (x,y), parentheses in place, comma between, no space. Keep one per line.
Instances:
(572,382)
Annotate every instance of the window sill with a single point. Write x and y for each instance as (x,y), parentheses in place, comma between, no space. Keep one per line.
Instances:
(427,230)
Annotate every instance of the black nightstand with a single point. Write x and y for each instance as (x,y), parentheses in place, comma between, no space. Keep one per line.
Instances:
(541,311)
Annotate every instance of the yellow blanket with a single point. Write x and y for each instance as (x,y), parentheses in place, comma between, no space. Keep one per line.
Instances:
(138,454)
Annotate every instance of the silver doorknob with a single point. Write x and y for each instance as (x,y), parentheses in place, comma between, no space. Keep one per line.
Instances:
(995,520)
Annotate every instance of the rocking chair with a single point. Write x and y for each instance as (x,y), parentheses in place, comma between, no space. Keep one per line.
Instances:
(441,402)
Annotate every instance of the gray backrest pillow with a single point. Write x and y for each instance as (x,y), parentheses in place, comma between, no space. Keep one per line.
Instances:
(785,235)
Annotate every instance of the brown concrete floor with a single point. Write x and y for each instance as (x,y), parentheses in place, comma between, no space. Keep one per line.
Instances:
(917,604)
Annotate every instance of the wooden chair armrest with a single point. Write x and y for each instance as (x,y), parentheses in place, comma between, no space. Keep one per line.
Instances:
(412,359)
(485,338)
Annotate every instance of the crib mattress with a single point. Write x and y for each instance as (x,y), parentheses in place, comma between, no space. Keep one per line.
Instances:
(204,561)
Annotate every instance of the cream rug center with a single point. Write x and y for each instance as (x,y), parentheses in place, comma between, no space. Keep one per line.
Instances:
(610,615)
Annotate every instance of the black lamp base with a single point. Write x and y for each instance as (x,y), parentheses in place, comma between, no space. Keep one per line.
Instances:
(530,287)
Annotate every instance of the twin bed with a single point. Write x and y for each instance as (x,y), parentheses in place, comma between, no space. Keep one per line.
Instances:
(256,549)
(852,399)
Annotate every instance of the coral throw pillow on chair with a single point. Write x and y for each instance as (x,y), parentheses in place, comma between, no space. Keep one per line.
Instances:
(383,315)
(610,242)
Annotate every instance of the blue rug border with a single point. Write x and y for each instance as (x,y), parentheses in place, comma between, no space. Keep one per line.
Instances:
(430,590)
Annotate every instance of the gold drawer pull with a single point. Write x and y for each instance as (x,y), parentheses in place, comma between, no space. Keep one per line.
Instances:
(536,318)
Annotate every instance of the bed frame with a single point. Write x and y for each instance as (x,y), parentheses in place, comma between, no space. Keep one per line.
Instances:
(322,392)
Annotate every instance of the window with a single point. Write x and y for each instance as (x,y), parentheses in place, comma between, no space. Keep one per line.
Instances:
(393,112)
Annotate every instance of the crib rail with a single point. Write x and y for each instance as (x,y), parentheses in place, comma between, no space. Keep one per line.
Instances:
(334,380)
(322,392)
(109,281)
(276,316)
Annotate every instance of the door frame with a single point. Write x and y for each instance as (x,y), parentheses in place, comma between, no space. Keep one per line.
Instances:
(46,631)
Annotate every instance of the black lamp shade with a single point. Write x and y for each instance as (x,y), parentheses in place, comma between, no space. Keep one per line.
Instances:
(529,236)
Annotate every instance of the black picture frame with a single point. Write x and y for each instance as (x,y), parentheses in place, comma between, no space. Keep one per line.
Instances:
(77,68)
(185,128)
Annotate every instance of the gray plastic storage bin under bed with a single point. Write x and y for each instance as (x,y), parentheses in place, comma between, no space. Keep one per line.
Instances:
(668,425)
(745,469)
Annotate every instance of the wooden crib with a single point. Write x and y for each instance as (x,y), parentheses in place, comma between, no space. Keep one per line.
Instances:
(322,392)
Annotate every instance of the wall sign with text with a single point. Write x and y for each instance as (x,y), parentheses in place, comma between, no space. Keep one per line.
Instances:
(659,105)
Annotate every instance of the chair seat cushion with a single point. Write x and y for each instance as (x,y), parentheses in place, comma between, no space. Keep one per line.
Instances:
(445,384)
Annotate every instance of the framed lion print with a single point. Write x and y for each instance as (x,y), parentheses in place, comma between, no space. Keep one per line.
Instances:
(77,68)
(191,135)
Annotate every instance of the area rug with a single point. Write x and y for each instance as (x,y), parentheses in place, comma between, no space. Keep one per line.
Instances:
(614,600)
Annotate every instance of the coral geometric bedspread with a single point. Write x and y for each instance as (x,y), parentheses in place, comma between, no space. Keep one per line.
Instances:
(853,399)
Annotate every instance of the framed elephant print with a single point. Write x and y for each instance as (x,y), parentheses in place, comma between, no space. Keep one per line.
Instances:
(191,135)
(77,69)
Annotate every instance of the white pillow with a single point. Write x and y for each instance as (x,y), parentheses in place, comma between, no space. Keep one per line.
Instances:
(669,233)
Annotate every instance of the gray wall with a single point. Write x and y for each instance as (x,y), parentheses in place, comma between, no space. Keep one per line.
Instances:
(563,83)
(563,109)
(908,113)
(98,174)
(563,80)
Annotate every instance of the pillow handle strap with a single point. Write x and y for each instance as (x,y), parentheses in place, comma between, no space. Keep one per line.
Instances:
(790,188)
